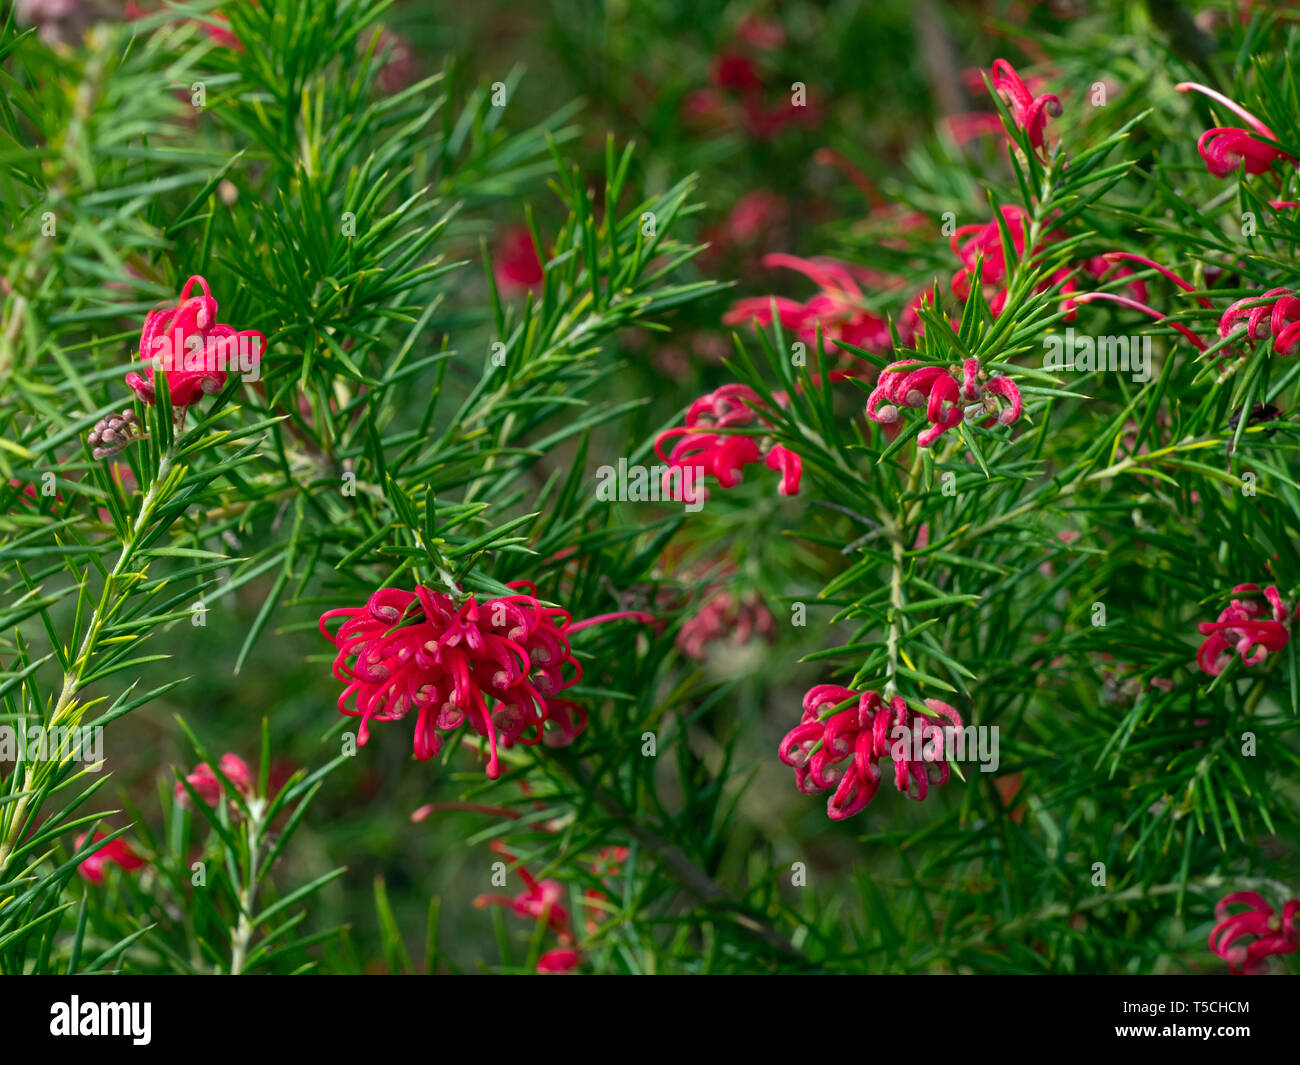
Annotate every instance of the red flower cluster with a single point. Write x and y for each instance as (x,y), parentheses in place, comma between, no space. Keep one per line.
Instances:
(1275,313)
(540,901)
(724,614)
(447,657)
(946,400)
(739,87)
(204,781)
(119,852)
(1029,112)
(841,750)
(968,126)
(1226,149)
(710,446)
(1242,626)
(839,309)
(195,348)
(984,261)
(1274,934)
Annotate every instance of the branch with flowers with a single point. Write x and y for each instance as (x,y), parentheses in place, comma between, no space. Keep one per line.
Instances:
(509,509)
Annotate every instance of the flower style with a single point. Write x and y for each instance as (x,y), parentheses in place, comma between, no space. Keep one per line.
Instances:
(1029,112)
(446,657)
(839,309)
(1274,314)
(119,852)
(1241,626)
(946,399)
(1274,934)
(204,781)
(1226,149)
(566,718)
(840,751)
(194,348)
(709,446)
(1137,303)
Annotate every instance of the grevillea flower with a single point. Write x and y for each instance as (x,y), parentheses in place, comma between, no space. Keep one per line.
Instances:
(220,33)
(840,751)
(204,781)
(1029,112)
(566,720)
(763,35)
(516,266)
(709,445)
(119,852)
(1273,933)
(1246,627)
(448,657)
(539,901)
(738,91)
(558,960)
(946,398)
(756,222)
(984,261)
(722,615)
(1226,149)
(1275,313)
(733,72)
(965,126)
(195,349)
(839,309)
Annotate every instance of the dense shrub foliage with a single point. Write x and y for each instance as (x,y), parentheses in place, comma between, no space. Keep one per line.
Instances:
(649,487)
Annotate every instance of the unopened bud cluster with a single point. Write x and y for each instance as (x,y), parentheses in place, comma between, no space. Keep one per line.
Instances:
(114,434)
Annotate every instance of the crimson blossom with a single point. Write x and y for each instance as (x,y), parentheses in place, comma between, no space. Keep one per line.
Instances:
(946,399)
(204,781)
(710,446)
(118,852)
(1029,112)
(1274,934)
(839,309)
(195,347)
(539,901)
(1227,148)
(1273,315)
(447,656)
(1244,627)
(840,750)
